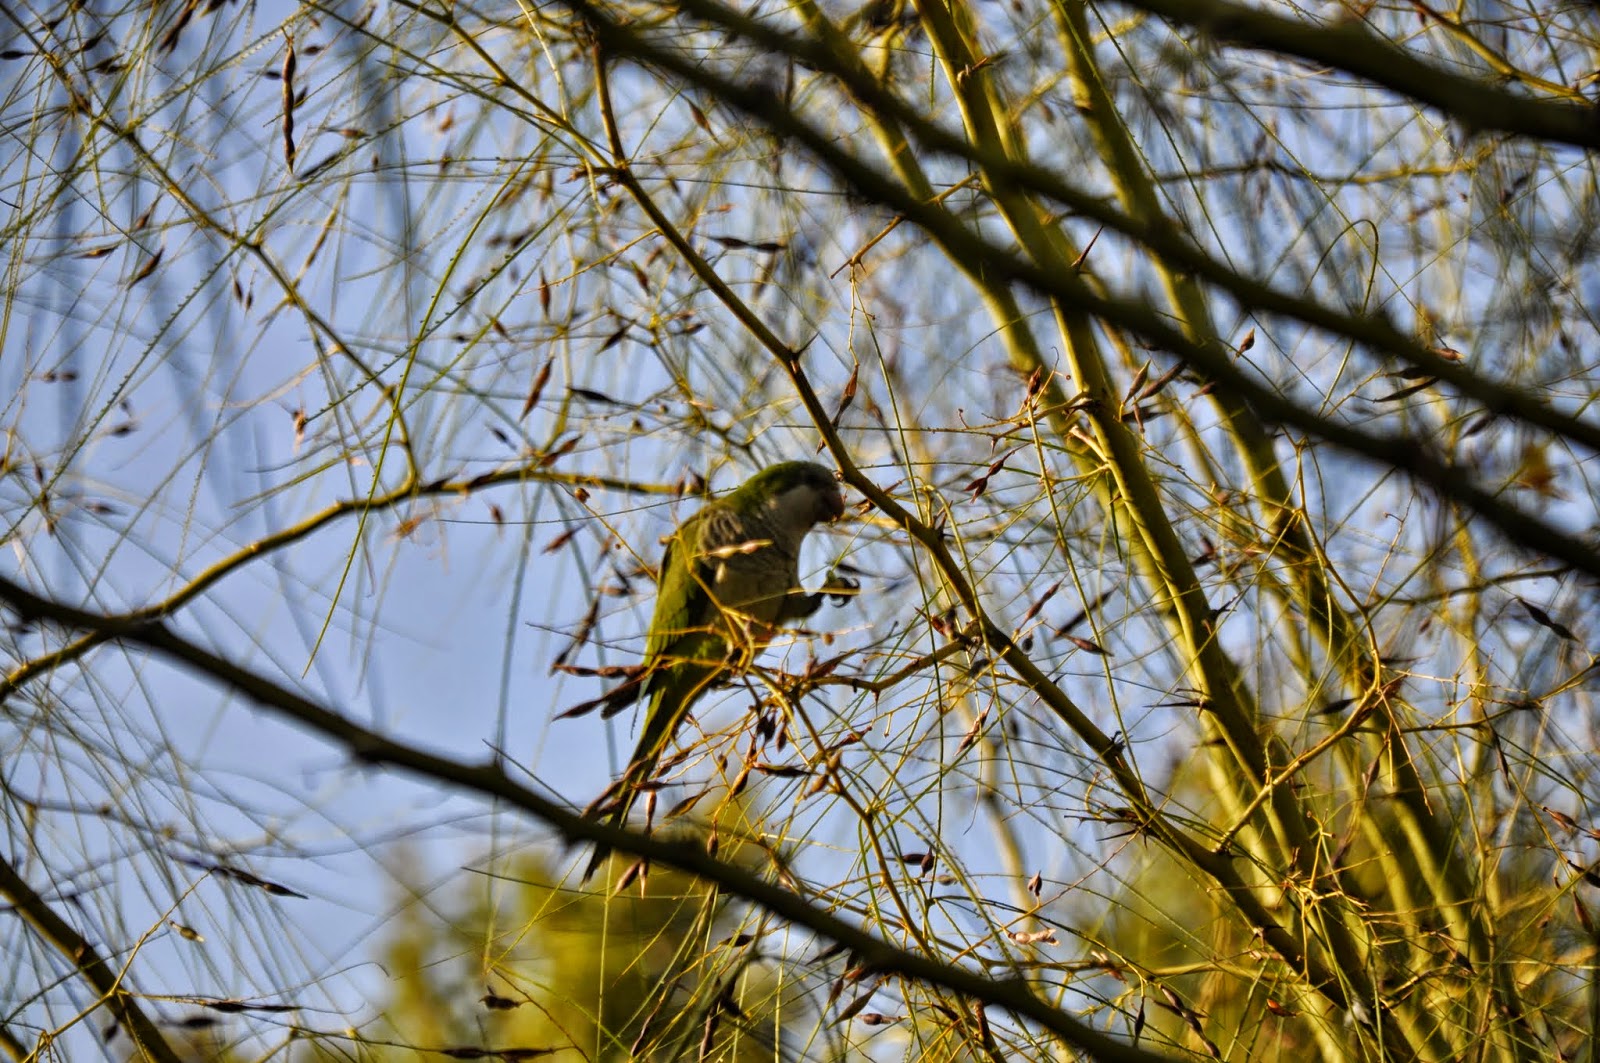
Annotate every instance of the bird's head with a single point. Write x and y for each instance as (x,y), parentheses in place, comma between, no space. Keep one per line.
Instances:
(803,492)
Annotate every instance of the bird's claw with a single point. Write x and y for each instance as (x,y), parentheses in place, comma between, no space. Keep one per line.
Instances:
(840,588)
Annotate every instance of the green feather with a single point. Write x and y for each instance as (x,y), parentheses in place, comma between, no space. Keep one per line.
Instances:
(694,639)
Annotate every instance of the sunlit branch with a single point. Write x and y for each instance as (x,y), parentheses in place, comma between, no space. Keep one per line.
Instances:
(1408,454)
(269,544)
(1157,233)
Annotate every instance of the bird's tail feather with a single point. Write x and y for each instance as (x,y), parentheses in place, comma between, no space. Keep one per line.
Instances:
(674,690)
(614,805)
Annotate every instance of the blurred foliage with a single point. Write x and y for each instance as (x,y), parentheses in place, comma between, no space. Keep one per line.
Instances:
(529,964)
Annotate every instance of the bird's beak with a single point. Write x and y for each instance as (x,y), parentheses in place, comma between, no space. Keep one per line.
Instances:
(836,505)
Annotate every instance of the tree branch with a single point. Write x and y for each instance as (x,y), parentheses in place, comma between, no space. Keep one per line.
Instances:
(91,966)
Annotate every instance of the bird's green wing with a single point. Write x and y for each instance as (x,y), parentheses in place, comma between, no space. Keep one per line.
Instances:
(686,648)
(683,602)
(684,652)
(686,624)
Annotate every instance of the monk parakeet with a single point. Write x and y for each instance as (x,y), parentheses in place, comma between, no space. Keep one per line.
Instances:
(729,579)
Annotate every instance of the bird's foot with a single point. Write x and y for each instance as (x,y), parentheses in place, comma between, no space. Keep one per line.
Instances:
(840,588)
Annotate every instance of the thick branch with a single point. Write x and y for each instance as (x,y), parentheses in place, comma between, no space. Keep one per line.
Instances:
(1154,231)
(1407,454)
(1349,45)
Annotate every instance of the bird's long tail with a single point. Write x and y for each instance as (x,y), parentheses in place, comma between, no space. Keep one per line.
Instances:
(613,807)
(671,694)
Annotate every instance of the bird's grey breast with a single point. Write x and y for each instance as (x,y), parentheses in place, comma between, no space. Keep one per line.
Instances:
(753,566)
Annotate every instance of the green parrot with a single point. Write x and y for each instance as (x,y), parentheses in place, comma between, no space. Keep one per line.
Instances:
(729,579)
